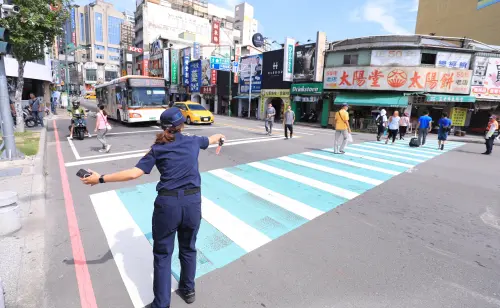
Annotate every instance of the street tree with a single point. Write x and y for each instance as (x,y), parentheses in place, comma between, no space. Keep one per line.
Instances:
(32,32)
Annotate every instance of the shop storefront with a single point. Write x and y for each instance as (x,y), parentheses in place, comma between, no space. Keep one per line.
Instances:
(274,91)
(208,97)
(279,98)
(307,102)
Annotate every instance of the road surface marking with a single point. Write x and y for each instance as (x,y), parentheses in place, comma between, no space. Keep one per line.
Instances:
(236,230)
(85,288)
(73,148)
(258,130)
(388,149)
(285,202)
(351,163)
(333,171)
(134,261)
(380,160)
(386,155)
(408,148)
(344,193)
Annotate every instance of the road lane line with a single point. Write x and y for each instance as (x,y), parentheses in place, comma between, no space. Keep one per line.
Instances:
(385,154)
(388,149)
(407,147)
(73,148)
(239,232)
(380,160)
(258,130)
(286,203)
(351,163)
(333,171)
(85,289)
(344,193)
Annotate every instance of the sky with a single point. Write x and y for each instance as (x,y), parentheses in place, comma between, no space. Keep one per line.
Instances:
(340,19)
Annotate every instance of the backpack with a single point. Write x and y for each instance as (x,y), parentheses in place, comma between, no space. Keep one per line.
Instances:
(380,120)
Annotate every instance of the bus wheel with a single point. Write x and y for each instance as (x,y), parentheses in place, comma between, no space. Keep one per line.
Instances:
(118,118)
(188,121)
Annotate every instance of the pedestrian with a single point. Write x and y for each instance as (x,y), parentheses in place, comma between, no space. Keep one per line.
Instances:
(177,208)
(490,134)
(444,128)
(270,113)
(403,125)
(393,127)
(424,126)
(101,128)
(36,109)
(56,95)
(342,129)
(381,122)
(289,120)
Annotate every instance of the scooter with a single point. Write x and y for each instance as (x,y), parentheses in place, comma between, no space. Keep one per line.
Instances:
(29,120)
(80,127)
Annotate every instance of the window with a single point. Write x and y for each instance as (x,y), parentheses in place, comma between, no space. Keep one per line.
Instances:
(181,106)
(114,58)
(99,47)
(115,50)
(149,97)
(91,75)
(196,107)
(82,27)
(110,75)
(351,59)
(114,25)
(428,58)
(99,56)
(98,27)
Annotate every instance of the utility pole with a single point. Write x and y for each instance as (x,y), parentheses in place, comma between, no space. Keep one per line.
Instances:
(9,142)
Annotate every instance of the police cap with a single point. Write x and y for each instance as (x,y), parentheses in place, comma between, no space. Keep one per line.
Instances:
(172,116)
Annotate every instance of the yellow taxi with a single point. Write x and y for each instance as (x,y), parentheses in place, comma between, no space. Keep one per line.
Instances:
(195,113)
(90,95)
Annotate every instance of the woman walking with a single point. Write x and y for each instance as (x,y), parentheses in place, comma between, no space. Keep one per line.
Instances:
(101,128)
(403,125)
(393,127)
(381,122)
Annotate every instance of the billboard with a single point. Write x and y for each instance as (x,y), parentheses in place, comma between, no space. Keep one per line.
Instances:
(305,57)
(484,3)
(272,72)
(453,60)
(320,56)
(174,66)
(288,59)
(486,78)
(396,57)
(195,76)
(206,73)
(251,67)
(432,80)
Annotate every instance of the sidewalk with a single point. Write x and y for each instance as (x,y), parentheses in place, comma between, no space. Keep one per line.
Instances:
(22,253)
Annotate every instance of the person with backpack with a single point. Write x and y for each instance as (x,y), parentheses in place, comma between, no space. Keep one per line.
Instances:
(393,127)
(381,122)
(101,128)
(444,128)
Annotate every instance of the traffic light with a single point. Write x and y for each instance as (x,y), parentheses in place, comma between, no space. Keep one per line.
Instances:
(4,45)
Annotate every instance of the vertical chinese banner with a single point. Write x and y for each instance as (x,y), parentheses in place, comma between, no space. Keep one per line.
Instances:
(213,78)
(73,26)
(186,57)
(215,32)
(288,60)
(174,59)
(237,56)
(145,67)
(196,51)
(166,64)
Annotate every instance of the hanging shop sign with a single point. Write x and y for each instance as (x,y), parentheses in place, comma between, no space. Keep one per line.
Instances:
(458,116)
(288,59)
(145,67)
(307,88)
(395,57)
(208,90)
(135,49)
(251,67)
(486,78)
(196,51)
(453,60)
(450,98)
(213,77)
(258,40)
(156,48)
(194,76)
(186,57)
(166,64)
(320,56)
(422,79)
(174,66)
(272,70)
(206,73)
(275,93)
(304,63)
(73,26)
(215,32)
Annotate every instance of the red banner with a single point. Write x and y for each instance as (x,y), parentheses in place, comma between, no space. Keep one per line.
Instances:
(213,79)
(215,32)
(207,90)
(145,67)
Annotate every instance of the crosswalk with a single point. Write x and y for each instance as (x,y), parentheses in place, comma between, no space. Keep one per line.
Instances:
(247,206)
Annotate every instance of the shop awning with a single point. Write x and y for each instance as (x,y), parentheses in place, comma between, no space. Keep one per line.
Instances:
(372,100)
(450,98)
(245,96)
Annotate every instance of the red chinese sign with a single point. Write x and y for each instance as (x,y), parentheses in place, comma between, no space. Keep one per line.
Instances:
(145,67)
(215,32)
(207,90)
(213,77)
(438,80)
(135,49)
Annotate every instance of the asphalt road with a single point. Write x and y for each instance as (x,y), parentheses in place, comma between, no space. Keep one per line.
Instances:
(401,227)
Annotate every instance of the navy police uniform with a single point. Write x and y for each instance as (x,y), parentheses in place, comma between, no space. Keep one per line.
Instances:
(177,208)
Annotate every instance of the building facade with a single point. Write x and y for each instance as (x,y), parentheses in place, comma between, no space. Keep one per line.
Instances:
(245,22)
(460,18)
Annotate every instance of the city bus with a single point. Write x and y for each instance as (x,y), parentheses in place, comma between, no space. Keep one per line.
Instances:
(133,99)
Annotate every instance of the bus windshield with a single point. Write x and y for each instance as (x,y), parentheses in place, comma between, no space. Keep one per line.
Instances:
(196,107)
(142,97)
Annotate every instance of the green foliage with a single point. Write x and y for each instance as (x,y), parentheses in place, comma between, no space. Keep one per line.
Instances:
(35,27)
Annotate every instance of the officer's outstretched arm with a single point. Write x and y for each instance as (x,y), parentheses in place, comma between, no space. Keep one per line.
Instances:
(122,176)
(214,139)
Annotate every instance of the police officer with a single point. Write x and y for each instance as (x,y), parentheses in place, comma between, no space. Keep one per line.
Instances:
(177,207)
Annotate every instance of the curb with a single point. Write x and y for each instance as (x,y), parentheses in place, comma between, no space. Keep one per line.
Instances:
(31,279)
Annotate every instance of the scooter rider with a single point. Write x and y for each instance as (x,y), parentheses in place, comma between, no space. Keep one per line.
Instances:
(75,111)
(177,208)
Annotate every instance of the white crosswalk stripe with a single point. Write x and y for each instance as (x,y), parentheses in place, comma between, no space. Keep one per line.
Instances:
(392,150)
(351,163)
(385,154)
(380,160)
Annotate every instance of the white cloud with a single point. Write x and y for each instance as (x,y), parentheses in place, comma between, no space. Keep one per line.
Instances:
(382,12)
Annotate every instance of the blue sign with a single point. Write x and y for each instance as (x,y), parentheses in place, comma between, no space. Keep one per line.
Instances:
(194,76)
(186,57)
(196,51)
(251,67)
(220,64)
(235,67)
